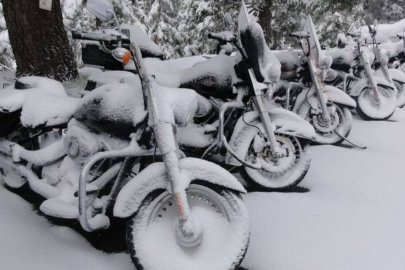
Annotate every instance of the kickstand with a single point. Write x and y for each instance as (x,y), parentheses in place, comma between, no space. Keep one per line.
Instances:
(352,143)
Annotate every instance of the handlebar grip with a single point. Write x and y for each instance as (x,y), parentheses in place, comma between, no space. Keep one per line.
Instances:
(76,35)
(83,36)
(94,36)
(221,37)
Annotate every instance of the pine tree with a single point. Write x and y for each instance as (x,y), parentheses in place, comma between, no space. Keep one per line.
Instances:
(389,11)
(6,52)
(279,18)
(334,17)
(198,18)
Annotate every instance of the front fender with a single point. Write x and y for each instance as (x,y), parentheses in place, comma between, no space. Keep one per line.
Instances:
(397,75)
(154,177)
(363,83)
(337,96)
(285,122)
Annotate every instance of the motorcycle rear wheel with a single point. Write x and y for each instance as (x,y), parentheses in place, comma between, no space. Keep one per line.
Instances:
(152,232)
(400,94)
(283,173)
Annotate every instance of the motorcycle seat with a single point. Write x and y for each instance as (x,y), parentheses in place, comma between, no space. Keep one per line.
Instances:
(48,110)
(341,58)
(290,62)
(118,108)
(213,77)
(13,97)
(42,101)
(394,48)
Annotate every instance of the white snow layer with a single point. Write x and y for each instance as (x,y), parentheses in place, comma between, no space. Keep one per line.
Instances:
(385,32)
(351,218)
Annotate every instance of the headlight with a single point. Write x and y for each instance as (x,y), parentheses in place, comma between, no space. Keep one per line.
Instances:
(80,143)
(72,147)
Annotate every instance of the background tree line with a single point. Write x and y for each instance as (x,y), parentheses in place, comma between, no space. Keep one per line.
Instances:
(179,27)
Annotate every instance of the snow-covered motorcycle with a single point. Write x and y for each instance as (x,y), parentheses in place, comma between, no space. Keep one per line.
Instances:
(397,52)
(375,96)
(380,65)
(245,130)
(180,211)
(326,107)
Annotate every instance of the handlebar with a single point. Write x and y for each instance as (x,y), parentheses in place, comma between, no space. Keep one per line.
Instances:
(222,37)
(372,31)
(97,36)
(355,35)
(300,34)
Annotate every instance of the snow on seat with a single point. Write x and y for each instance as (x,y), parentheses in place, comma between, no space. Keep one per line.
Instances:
(13,97)
(394,48)
(168,72)
(43,101)
(290,62)
(342,58)
(214,77)
(48,109)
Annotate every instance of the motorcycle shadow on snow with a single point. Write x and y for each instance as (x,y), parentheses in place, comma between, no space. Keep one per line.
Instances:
(296,189)
(111,240)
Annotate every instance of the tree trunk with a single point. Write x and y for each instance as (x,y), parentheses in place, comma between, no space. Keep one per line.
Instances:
(39,41)
(265,18)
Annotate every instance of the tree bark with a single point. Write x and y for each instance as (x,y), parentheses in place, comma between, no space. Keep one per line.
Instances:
(265,18)
(38,39)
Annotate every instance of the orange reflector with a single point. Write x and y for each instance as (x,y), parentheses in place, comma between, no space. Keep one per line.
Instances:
(126,57)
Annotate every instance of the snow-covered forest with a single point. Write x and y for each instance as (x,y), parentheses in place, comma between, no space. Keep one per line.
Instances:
(180,28)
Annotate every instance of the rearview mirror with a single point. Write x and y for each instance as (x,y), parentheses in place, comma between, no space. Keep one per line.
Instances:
(228,23)
(357,25)
(375,23)
(101,9)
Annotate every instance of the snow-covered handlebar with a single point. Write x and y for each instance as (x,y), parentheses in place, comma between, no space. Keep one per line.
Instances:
(223,36)
(98,36)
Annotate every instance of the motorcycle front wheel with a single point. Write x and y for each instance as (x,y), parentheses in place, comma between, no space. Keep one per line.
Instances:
(368,109)
(279,173)
(153,231)
(334,132)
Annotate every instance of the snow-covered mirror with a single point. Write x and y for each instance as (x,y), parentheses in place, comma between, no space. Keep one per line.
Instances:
(101,9)
(375,24)
(357,25)
(302,24)
(228,23)
(244,17)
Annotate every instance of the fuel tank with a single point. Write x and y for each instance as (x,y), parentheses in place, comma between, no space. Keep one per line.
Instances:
(114,108)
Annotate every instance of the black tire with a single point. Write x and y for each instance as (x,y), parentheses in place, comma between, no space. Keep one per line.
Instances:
(273,181)
(368,110)
(152,259)
(400,94)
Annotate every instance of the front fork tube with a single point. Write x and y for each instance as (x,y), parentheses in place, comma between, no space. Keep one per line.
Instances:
(384,69)
(166,142)
(369,75)
(320,91)
(264,115)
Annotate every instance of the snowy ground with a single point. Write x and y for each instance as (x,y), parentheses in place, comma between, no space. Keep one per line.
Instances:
(349,214)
